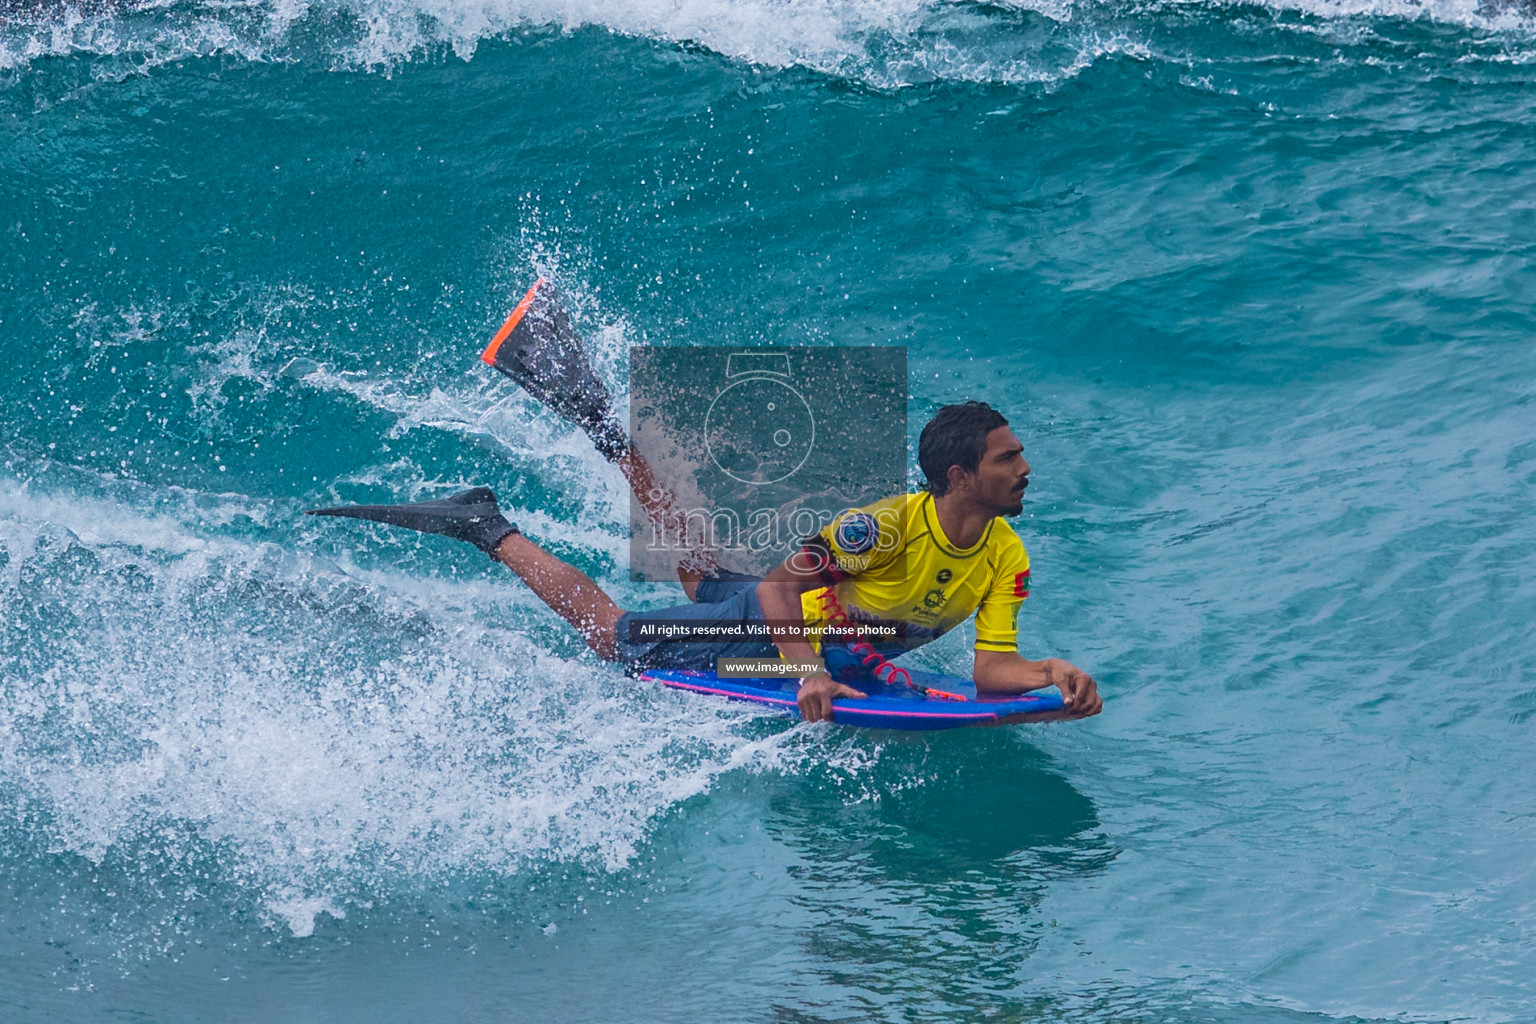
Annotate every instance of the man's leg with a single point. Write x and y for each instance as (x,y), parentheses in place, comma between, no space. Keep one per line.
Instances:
(567,590)
(538,347)
(661,508)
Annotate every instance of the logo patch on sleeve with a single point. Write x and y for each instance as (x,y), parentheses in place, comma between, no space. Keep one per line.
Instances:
(1021,584)
(856,533)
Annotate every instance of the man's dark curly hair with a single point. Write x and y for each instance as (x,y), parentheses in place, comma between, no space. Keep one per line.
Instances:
(956,436)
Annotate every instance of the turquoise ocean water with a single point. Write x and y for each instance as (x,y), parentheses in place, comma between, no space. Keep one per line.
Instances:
(1254,284)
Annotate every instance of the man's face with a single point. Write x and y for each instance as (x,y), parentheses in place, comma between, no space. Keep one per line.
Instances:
(1003,474)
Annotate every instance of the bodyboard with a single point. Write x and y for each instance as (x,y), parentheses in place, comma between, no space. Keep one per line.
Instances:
(886,707)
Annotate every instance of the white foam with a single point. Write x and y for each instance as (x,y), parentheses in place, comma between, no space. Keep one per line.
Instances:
(299,912)
(883,43)
(349,734)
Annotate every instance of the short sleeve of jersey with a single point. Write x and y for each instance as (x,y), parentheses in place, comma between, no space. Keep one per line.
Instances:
(861,540)
(997,619)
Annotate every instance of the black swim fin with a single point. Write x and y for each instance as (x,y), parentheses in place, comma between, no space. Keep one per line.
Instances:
(471,516)
(539,349)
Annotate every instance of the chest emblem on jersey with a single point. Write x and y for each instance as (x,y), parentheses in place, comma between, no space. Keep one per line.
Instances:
(934,597)
(857,533)
(944,576)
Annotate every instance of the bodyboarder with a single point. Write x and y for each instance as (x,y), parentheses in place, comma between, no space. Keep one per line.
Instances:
(875,583)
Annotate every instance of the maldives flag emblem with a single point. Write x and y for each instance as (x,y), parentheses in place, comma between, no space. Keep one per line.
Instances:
(1021,584)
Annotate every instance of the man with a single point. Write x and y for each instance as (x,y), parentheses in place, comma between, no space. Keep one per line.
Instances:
(899,573)
(952,554)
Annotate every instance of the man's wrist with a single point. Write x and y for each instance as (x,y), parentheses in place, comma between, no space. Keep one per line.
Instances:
(798,652)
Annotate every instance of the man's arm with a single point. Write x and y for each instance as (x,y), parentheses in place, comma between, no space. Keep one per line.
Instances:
(1008,672)
(779,594)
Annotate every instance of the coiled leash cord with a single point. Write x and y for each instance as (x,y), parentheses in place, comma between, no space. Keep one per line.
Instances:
(879,666)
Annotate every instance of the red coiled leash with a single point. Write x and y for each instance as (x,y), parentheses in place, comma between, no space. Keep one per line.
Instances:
(873,659)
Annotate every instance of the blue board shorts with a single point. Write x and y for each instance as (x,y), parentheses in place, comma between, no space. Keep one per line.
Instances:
(724,598)
(719,601)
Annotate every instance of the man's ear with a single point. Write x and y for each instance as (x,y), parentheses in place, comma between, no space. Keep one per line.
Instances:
(959,479)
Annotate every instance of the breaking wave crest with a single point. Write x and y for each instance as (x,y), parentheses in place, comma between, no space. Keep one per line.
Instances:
(878,43)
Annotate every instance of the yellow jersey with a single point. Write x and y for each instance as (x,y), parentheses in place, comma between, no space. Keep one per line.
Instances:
(894,578)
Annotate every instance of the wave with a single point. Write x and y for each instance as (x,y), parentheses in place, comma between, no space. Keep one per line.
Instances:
(207,685)
(310,733)
(879,43)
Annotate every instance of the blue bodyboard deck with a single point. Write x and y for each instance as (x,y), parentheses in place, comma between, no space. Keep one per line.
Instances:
(887,707)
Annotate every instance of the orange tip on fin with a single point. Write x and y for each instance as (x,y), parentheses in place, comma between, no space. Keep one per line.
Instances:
(489,355)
